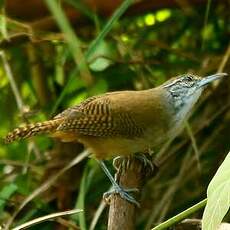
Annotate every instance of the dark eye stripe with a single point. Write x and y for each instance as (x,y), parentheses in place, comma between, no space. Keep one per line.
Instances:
(190,78)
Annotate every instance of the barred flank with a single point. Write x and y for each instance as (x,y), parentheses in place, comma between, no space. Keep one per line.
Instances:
(32,130)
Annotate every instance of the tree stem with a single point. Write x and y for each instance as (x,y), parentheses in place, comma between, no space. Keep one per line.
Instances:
(131,173)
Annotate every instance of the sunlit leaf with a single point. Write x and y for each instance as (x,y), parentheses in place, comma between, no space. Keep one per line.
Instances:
(124,37)
(218,197)
(100,64)
(3,23)
(162,15)
(101,57)
(208,32)
(3,79)
(150,19)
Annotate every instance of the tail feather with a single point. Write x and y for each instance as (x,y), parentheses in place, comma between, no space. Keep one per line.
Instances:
(30,130)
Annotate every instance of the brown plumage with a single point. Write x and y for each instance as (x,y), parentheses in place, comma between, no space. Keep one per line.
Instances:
(30,130)
(124,122)
(109,124)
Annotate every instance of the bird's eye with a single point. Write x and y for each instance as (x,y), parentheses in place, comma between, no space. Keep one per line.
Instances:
(189,78)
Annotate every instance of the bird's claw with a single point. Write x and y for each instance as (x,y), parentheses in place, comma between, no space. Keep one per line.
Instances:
(124,193)
(117,161)
(144,159)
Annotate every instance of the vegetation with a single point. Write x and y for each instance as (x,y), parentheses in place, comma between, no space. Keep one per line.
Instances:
(48,65)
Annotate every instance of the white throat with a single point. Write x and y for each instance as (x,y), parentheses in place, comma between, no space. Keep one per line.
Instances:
(184,105)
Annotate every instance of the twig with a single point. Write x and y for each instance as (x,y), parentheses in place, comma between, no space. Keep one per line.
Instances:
(45,218)
(20,164)
(13,84)
(224,60)
(194,144)
(120,61)
(69,224)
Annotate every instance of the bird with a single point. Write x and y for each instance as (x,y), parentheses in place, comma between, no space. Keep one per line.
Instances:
(123,123)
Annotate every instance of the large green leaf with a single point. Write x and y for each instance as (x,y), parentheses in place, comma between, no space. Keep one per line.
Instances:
(218,197)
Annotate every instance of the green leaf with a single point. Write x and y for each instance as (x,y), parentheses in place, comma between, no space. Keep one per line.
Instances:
(6,193)
(97,60)
(3,79)
(68,32)
(108,26)
(100,64)
(218,194)
(71,38)
(3,26)
(81,200)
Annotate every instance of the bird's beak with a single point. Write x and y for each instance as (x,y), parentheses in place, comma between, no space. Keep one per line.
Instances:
(207,80)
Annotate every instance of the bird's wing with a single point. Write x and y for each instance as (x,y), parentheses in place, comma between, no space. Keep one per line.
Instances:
(97,117)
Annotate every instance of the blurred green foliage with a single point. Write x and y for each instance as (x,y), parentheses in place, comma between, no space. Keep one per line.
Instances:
(137,52)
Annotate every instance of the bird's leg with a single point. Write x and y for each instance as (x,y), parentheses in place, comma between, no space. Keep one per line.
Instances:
(116,188)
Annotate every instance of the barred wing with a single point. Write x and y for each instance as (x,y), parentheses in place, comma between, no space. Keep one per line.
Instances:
(96,117)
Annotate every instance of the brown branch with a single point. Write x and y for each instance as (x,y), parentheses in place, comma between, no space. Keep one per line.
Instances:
(132,173)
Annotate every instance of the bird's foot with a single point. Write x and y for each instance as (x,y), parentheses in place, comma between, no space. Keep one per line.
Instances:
(116,188)
(118,162)
(144,158)
(124,193)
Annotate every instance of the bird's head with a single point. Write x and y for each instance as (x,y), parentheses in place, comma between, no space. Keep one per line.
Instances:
(186,89)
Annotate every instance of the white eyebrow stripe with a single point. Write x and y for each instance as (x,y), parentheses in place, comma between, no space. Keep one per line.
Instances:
(172,83)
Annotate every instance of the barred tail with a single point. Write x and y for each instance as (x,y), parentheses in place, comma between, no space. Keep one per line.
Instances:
(32,130)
